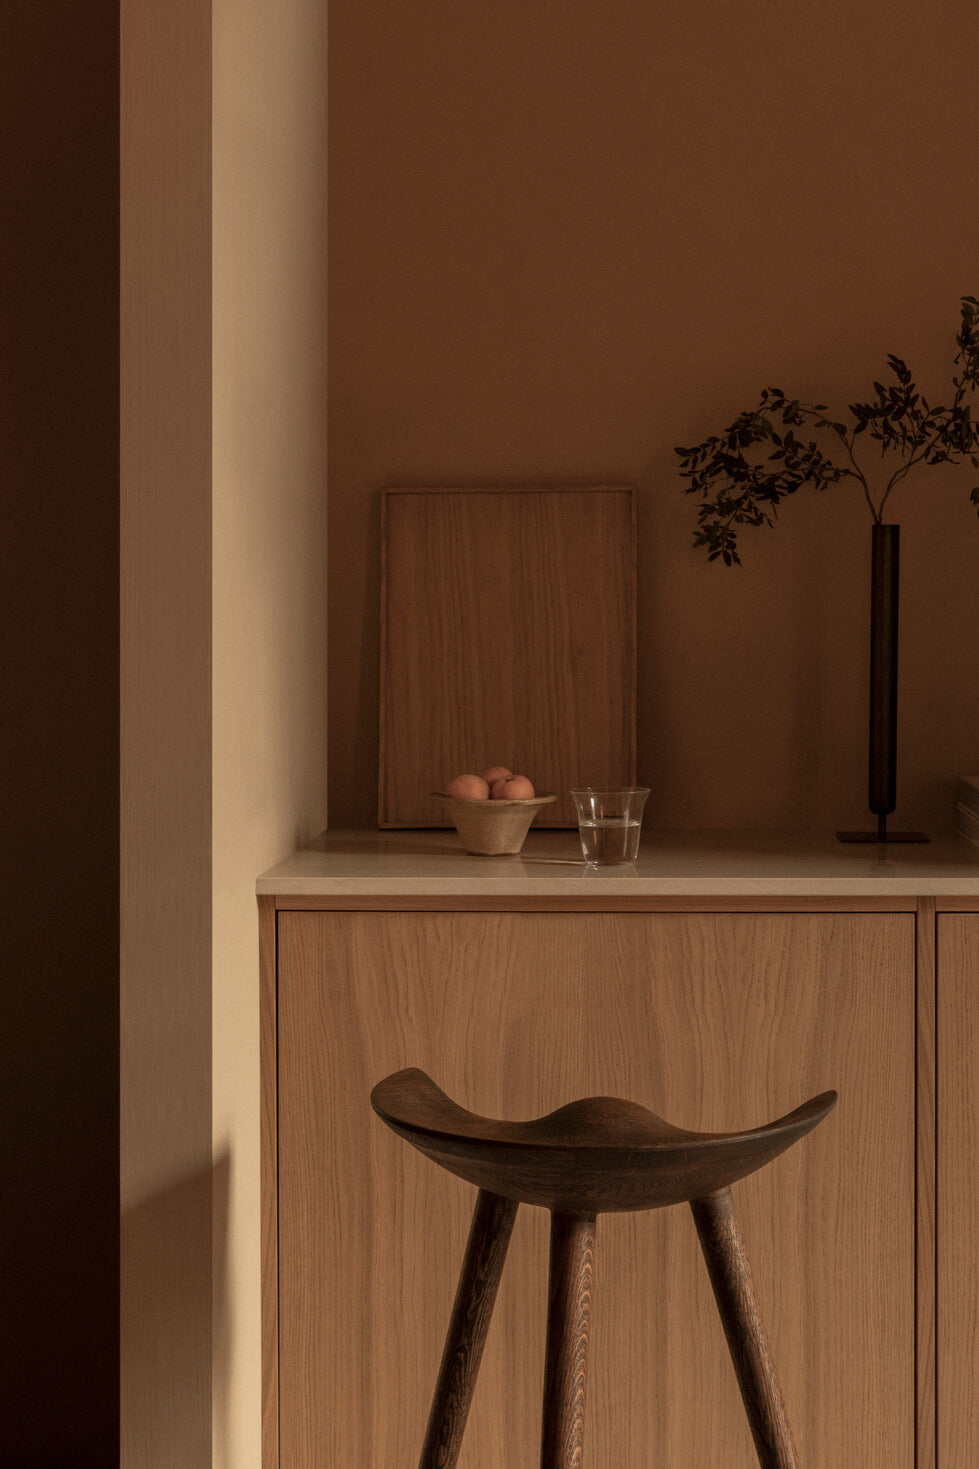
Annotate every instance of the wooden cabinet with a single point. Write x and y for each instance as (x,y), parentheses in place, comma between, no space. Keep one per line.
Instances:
(957,1069)
(714,1019)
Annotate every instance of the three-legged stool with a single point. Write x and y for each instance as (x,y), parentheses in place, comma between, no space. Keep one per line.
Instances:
(594,1156)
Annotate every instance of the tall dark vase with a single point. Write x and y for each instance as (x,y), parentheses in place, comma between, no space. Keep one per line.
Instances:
(882,766)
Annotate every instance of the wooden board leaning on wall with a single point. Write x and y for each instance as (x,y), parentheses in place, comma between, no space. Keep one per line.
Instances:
(508,636)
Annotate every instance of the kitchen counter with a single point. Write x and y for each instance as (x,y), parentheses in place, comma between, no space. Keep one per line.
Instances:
(418,864)
(720,979)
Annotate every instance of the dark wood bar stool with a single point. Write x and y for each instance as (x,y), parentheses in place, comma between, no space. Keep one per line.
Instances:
(595,1156)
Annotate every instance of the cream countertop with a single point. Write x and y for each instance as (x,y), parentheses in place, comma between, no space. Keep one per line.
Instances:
(670,864)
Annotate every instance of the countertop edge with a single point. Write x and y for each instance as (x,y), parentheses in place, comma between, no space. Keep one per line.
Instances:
(370,865)
(869,889)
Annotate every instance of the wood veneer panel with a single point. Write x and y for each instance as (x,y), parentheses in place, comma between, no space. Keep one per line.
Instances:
(958,1202)
(508,634)
(925,1147)
(713,1020)
(269,1162)
(547,903)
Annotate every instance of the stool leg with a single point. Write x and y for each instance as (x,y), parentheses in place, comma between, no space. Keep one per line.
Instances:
(568,1324)
(727,1265)
(489,1236)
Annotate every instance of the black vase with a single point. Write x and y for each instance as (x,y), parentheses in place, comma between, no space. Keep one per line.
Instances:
(882,762)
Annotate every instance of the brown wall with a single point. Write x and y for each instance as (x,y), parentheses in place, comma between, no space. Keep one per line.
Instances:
(223,667)
(59,732)
(165,766)
(565,239)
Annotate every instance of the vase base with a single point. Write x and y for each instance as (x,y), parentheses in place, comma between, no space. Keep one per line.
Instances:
(875,837)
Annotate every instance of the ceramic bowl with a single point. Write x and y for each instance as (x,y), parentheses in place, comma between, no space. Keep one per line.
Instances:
(492,828)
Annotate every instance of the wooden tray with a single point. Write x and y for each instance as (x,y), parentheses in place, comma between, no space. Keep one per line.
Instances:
(508,636)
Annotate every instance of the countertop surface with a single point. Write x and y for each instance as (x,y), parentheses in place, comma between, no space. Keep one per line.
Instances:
(419,864)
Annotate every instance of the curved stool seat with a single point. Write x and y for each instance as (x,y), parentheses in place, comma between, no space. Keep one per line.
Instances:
(594,1156)
(598,1155)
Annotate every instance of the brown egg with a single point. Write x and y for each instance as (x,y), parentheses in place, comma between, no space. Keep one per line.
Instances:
(468,788)
(517,788)
(496,772)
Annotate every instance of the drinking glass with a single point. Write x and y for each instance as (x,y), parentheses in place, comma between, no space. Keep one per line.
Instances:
(609,823)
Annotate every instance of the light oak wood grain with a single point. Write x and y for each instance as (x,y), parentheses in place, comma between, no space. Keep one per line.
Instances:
(546,903)
(269,1163)
(508,634)
(716,1020)
(925,1148)
(958,1202)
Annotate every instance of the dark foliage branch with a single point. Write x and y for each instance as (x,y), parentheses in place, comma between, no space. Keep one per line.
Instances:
(744,473)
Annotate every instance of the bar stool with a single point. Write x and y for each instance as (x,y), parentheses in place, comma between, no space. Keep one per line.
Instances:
(594,1156)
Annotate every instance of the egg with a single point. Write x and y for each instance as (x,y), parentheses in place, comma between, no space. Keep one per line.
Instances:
(496,772)
(468,788)
(516,788)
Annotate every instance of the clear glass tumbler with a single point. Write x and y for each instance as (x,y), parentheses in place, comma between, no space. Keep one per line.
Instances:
(609,823)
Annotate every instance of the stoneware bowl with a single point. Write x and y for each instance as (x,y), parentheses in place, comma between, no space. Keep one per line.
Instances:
(492,828)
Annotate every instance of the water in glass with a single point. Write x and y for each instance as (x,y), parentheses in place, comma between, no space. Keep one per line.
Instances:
(607,840)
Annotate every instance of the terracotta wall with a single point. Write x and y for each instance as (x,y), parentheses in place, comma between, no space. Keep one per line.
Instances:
(565,239)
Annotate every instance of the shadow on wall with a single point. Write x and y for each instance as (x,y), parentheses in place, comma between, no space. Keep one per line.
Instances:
(174,1316)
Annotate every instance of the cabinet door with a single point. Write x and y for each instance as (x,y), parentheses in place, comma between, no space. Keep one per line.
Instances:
(958,1208)
(712,1020)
